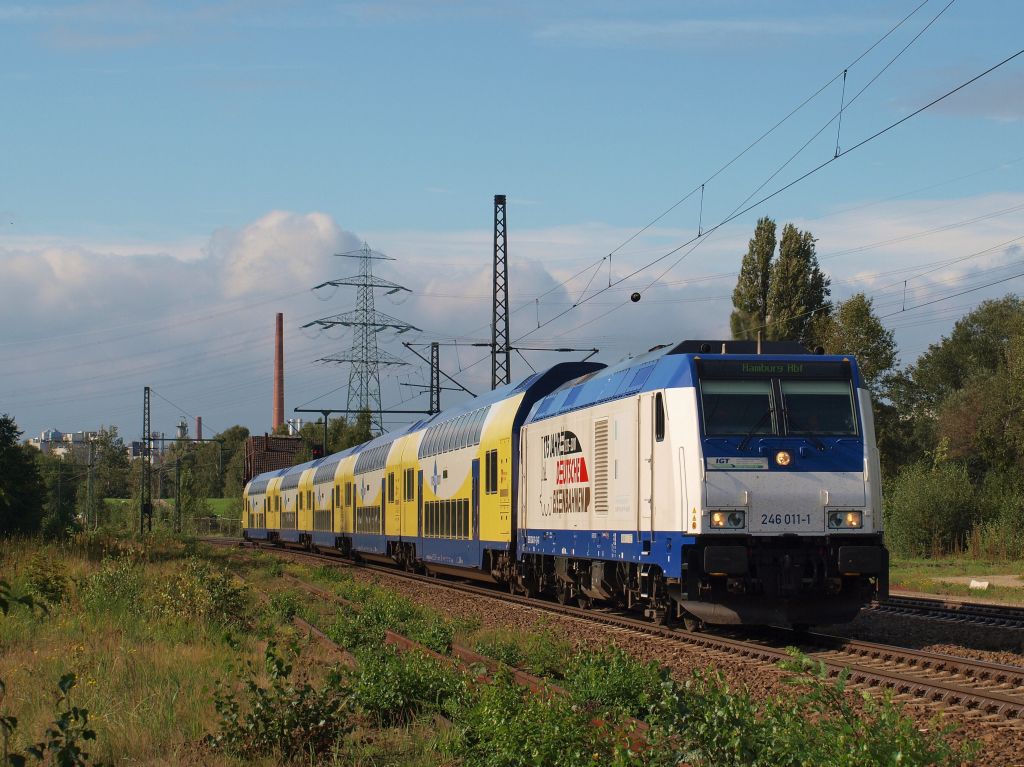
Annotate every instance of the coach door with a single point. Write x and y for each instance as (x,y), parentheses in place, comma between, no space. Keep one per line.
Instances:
(645,463)
(474,517)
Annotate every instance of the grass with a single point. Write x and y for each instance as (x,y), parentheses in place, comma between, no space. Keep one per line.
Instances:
(142,634)
(927,576)
(225,507)
(178,662)
(219,507)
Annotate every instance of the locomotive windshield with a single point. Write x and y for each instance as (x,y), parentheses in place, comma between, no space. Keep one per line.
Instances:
(772,398)
(738,407)
(818,407)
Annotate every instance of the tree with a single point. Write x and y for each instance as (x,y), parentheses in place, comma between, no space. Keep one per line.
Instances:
(63,480)
(854,329)
(111,465)
(341,435)
(786,297)
(798,291)
(750,296)
(21,489)
(979,343)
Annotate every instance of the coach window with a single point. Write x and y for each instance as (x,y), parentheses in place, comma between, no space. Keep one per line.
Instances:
(391,487)
(659,418)
(410,488)
(491,472)
(348,494)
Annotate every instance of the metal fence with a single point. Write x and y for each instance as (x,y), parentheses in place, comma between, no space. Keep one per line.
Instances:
(230,527)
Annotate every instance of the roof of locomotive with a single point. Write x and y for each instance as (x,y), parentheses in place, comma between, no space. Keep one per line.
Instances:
(662,367)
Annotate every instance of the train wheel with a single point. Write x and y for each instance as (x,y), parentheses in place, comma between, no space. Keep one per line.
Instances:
(692,623)
(561,591)
(584,602)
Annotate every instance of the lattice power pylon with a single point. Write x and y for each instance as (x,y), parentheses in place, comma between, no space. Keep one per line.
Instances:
(364,356)
(501,372)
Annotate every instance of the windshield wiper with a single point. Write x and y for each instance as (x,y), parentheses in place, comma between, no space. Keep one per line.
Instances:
(760,422)
(814,440)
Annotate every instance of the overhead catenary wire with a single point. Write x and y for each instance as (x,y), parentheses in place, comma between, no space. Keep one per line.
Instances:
(767,133)
(788,185)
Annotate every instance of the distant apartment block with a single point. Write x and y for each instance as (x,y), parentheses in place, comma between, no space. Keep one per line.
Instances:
(75,445)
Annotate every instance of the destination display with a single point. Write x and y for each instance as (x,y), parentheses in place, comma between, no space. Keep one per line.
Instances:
(811,369)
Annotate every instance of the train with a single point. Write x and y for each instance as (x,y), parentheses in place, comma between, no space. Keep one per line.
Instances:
(702,482)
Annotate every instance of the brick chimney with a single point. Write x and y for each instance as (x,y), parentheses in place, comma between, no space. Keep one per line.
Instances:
(279,372)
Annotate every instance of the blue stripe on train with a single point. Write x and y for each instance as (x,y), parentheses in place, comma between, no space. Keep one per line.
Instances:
(663,549)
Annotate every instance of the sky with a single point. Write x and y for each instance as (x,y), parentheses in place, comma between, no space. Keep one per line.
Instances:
(172,175)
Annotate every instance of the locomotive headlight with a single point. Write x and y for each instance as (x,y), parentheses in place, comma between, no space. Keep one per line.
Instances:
(728,519)
(839,520)
(783,458)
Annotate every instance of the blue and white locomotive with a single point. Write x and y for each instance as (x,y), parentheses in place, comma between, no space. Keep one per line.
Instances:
(705,481)
(708,482)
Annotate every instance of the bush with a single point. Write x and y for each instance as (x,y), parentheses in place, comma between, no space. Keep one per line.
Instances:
(285,719)
(505,725)
(542,653)
(116,586)
(822,724)
(201,591)
(614,680)
(1001,502)
(382,610)
(47,582)
(930,510)
(393,688)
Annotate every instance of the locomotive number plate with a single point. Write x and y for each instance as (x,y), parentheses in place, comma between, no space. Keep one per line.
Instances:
(785,519)
(777,522)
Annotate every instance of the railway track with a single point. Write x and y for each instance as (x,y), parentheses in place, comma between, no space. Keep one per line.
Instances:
(993,691)
(954,611)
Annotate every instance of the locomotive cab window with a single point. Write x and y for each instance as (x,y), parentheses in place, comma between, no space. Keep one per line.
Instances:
(819,407)
(738,407)
(659,417)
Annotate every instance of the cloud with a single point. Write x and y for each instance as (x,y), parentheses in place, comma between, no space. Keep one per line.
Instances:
(87,325)
(999,98)
(280,248)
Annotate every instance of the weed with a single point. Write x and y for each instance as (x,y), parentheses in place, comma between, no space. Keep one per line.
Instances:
(542,652)
(8,599)
(284,606)
(62,744)
(502,646)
